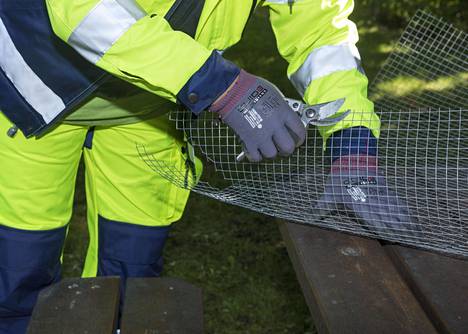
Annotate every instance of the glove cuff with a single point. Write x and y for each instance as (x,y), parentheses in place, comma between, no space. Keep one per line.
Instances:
(234,94)
(355,162)
(353,141)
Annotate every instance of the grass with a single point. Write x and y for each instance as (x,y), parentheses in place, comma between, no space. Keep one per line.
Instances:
(236,256)
(405,85)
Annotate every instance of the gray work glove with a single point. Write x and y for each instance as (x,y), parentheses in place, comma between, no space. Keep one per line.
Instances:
(355,184)
(257,112)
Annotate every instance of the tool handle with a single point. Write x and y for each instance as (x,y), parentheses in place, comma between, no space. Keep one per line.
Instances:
(240,157)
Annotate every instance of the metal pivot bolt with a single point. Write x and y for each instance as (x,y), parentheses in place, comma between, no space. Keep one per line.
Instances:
(311,113)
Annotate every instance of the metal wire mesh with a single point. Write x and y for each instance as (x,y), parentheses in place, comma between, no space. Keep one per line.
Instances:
(423,152)
(427,68)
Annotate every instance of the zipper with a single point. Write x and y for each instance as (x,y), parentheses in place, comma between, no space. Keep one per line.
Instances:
(184,15)
(173,9)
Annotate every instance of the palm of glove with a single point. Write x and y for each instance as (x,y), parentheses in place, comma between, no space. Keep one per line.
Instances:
(354,183)
(264,122)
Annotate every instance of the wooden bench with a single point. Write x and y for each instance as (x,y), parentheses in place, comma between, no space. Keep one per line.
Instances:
(91,306)
(358,285)
(351,285)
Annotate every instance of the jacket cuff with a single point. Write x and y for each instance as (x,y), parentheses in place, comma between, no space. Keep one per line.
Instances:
(208,83)
(352,141)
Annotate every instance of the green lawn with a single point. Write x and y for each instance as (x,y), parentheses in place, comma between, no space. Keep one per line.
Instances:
(236,256)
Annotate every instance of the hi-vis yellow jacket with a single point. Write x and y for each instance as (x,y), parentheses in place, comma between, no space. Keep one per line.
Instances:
(132,40)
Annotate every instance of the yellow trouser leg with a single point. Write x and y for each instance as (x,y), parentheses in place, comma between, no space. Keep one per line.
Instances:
(122,188)
(37,179)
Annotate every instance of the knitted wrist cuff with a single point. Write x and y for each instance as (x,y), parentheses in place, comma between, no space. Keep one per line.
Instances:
(235,94)
(354,162)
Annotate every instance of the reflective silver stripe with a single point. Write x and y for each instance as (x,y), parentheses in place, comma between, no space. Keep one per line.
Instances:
(324,61)
(103,26)
(27,83)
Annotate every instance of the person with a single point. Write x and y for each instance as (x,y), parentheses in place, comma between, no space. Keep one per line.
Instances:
(59,94)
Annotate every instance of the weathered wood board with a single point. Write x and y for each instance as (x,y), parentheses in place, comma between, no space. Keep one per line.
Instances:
(162,306)
(440,283)
(77,306)
(351,284)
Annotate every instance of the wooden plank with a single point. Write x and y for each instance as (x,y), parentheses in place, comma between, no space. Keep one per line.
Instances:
(439,282)
(351,285)
(77,305)
(162,306)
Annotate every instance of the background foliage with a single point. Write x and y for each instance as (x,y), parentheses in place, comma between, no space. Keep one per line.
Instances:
(236,256)
(396,13)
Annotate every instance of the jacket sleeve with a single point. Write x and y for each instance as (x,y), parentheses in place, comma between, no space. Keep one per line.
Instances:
(318,41)
(137,45)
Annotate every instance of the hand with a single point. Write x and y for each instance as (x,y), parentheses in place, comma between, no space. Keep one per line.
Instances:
(257,112)
(354,183)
